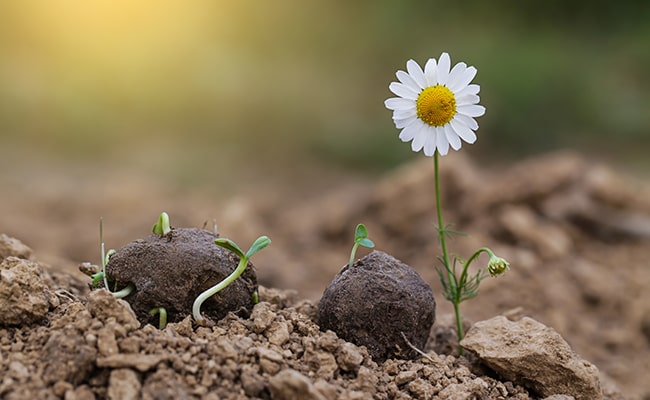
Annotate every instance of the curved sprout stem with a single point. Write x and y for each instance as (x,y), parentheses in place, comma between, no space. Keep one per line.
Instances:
(196,307)
(259,243)
(124,292)
(162,313)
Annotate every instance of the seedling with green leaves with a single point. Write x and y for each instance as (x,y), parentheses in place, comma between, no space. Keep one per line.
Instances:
(260,243)
(360,239)
(101,275)
(162,227)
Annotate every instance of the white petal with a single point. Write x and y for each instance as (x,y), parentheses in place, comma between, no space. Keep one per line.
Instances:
(401,114)
(467,99)
(430,144)
(462,80)
(452,137)
(398,103)
(420,139)
(471,110)
(409,132)
(408,81)
(431,72)
(404,122)
(403,91)
(416,73)
(441,141)
(466,120)
(443,69)
(469,89)
(463,131)
(455,74)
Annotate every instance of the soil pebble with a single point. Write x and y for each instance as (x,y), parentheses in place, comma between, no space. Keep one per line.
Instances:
(171,271)
(24,297)
(376,303)
(534,355)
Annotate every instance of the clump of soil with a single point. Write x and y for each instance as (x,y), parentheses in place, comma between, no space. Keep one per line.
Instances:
(170,271)
(377,303)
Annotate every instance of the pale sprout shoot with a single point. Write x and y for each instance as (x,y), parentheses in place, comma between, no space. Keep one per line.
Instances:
(360,239)
(101,275)
(162,315)
(260,243)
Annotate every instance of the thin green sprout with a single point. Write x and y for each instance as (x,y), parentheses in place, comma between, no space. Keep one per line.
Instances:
(98,277)
(103,254)
(360,239)
(124,292)
(162,315)
(228,244)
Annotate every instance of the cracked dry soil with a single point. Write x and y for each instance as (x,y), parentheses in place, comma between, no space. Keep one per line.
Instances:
(576,234)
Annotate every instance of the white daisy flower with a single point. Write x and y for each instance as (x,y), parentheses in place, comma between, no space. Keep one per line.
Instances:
(436,107)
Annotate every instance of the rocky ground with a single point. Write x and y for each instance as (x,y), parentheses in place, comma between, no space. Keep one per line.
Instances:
(575,232)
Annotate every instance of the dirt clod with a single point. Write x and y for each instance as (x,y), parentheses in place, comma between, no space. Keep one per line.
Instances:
(171,271)
(24,297)
(534,355)
(376,300)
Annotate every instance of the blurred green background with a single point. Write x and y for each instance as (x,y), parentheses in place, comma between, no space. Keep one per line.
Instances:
(190,89)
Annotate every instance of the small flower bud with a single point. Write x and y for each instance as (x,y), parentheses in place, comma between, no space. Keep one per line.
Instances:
(497,266)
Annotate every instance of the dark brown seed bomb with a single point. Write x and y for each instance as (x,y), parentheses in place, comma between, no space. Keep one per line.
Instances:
(170,271)
(372,303)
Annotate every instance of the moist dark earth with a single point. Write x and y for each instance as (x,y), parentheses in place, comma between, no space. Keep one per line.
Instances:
(376,301)
(170,271)
(576,233)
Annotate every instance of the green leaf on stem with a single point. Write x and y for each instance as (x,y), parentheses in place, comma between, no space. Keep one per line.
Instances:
(361,232)
(366,243)
(260,243)
(230,245)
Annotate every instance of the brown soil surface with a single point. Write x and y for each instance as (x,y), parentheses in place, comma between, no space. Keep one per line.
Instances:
(577,235)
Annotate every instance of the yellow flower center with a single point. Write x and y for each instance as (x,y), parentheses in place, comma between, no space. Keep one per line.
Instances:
(436,105)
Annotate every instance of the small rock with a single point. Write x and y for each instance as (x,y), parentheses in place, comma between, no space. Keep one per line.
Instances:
(141,362)
(82,392)
(67,357)
(270,361)
(106,342)
(104,305)
(11,247)
(322,362)
(278,332)
(123,384)
(262,316)
(251,381)
(349,357)
(292,385)
(533,355)
(420,388)
(23,294)
(405,377)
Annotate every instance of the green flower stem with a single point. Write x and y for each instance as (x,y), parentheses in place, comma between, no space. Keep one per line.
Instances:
(463,277)
(453,284)
(196,307)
